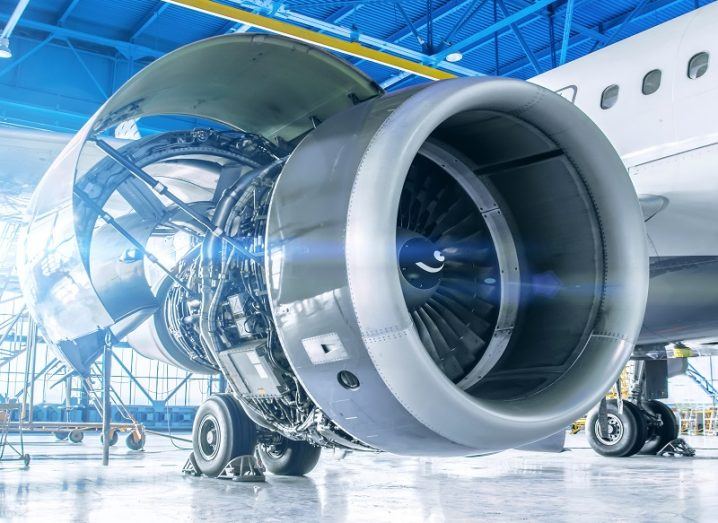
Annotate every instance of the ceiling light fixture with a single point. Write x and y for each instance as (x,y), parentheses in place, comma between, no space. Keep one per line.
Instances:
(5,48)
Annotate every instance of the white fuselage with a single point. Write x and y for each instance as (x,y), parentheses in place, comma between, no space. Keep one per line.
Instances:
(668,140)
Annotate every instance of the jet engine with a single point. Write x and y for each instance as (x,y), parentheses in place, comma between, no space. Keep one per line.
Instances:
(450,269)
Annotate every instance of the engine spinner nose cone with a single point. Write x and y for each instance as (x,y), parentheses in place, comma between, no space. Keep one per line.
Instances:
(420,264)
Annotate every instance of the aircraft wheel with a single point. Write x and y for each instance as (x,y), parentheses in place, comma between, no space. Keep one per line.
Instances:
(221,432)
(626,431)
(61,436)
(114,437)
(135,440)
(76,436)
(289,457)
(658,437)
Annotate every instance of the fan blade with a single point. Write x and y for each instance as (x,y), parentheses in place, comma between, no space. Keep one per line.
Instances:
(464,227)
(448,362)
(476,320)
(444,198)
(455,213)
(452,338)
(425,337)
(466,252)
(469,339)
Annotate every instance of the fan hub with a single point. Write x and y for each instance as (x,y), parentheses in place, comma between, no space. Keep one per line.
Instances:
(421,264)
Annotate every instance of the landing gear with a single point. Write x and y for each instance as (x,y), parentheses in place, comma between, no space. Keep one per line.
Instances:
(221,433)
(625,432)
(662,427)
(286,457)
(61,436)
(645,424)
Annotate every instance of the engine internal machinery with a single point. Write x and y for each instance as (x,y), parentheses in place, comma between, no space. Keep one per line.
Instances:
(450,269)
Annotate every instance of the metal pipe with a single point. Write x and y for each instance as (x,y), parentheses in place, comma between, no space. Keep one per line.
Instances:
(106,407)
(32,356)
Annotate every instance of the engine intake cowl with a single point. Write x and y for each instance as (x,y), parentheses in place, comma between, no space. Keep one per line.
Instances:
(543,272)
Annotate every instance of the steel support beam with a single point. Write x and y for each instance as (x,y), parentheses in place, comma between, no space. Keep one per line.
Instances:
(484,36)
(133,379)
(174,391)
(568,20)
(495,28)
(353,35)
(635,12)
(575,26)
(580,39)
(90,74)
(356,49)
(71,5)
(106,403)
(147,20)
(471,10)
(127,49)
(520,37)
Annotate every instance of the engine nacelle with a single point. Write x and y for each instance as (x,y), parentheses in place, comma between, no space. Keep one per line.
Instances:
(451,269)
(543,278)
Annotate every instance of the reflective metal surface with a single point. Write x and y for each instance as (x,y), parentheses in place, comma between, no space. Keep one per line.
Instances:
(452,269)
(219,79)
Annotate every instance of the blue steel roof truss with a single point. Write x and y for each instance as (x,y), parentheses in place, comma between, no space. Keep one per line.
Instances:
(70,55)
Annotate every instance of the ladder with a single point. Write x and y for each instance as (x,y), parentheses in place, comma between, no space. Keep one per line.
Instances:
(703,382)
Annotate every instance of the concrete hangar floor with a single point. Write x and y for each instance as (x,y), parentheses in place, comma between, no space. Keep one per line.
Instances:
(67,482)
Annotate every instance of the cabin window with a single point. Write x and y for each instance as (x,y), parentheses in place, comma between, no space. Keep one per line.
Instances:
(609,97)
(698,65)
(651,82)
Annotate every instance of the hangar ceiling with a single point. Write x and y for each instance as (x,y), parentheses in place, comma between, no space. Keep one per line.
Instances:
(70,55)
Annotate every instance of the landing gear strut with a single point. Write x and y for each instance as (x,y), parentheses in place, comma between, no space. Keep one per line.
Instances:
(221,433)
(224,441)
(662,426)
(640,425)
(289,458)
(624,433)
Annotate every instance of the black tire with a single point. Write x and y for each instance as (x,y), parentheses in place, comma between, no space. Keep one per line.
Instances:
(290,458)
(641,429)
(76,436)
(659,437)
(627,431)
(61,436)
(221,432)
(26,459)
(114,437)
(135,440)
